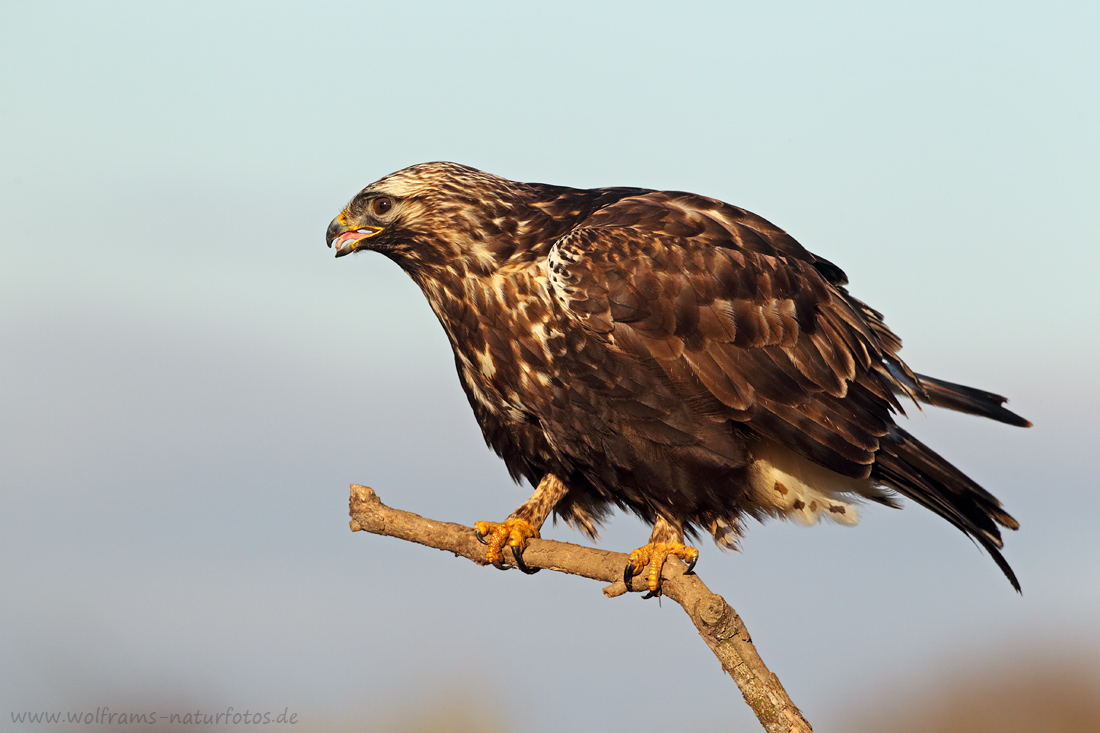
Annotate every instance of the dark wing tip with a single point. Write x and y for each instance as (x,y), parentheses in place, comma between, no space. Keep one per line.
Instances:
(1005,568)
(969,400)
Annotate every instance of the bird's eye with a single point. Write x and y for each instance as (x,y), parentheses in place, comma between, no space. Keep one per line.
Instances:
(381,205)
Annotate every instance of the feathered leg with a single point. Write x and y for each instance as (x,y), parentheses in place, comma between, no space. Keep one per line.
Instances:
(522,524)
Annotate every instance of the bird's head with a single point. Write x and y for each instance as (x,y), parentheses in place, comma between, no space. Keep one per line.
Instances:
(426,214)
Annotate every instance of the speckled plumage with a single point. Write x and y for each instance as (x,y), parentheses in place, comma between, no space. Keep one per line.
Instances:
(665,353)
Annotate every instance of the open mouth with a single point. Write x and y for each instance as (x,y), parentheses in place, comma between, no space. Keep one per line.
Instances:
(349,241)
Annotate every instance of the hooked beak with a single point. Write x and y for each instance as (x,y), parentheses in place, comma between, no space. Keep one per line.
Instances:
(345,239)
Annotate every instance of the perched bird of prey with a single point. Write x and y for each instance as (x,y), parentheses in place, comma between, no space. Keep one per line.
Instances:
(665,353)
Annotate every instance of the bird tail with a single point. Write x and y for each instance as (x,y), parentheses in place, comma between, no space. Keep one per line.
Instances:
(972,401)
(914,470)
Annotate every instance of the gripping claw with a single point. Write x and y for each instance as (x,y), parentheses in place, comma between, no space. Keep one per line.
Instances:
(517,553)
(654,555)
(512,532)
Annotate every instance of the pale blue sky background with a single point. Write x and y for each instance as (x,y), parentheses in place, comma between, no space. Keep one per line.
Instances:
(189,381)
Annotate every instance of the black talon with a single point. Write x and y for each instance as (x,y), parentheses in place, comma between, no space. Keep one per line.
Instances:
(517,553)
(480,537)
(628,573)
(691,565)
(651,594)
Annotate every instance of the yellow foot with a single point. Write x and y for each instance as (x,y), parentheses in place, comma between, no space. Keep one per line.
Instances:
(512,532)
(654,555)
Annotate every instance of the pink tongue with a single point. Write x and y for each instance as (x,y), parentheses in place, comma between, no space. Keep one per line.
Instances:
(348,237)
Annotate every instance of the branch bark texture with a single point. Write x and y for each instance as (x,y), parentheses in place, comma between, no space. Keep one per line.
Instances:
(718,624)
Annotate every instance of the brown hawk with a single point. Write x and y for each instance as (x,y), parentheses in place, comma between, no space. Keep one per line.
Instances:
(665,353)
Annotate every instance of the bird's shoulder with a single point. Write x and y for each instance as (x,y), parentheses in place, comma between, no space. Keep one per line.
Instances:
(653,216)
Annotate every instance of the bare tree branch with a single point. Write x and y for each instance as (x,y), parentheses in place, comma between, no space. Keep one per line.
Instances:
(718,624)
